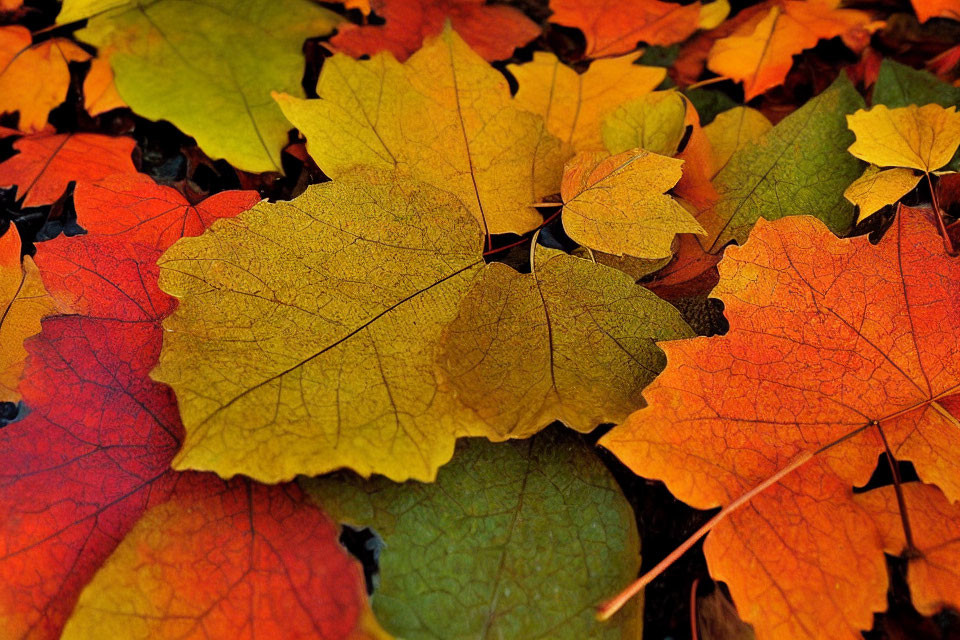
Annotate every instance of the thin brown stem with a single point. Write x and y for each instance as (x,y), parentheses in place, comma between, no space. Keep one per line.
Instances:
(490,252)
(694,631)
(938,214)
(708,81)
(912,550)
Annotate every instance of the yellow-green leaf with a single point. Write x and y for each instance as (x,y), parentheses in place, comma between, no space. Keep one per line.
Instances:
(305,336)
(732,130)
(655,122)
(877,188)
(574,104)
(923,138)
(573,341)
(209,67)
(618,204)
(444,117)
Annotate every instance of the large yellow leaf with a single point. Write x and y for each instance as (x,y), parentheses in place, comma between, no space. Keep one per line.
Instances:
(655,122)
(208,67)
(574,104)
(444,117)
(573,341)
(305,336)
(618,204)
(923,138)
(23,301)
(875,189)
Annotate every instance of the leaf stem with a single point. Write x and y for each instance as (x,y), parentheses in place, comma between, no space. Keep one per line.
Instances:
(912,550)
(551,218)
(708,81)
(938,213)
(694,631)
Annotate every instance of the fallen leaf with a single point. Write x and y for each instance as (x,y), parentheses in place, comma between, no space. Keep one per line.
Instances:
(829,339)
(934,572)
(733,130)
(618,204)
(927,9)
(900,86)
(513,540)
(363,6)
(574,341)
(308,346)
(99,92)
(798,167)
(692,272)
(923,138)
(10,5)
(655,122)
(493,31)
(877,188)
(759,53)
(446,118)
(22,64)
(49,162)
(23,301)
(574,104)
(613,28)
(221,560)
(208,67)
(712,14)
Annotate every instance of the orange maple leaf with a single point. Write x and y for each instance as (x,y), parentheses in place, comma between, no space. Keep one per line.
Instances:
(927,9)
(48,163)
(837,349)
(493,31)
(759,53)
(612,27)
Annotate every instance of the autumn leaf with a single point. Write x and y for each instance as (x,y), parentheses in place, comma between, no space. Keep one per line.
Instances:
(877,188)
(759,53)
(48,163)
(573,341)
(493,31)
(797,168)
(831,343)
(22,63)
(655,122)
(23,302)
(733,130)
(927,9)
(208,67)
(446,118)
(923,138)
(99,91)
(307,346)
(613,28)
(573,104)
(900,86)
(618,204)
(225,560)
(514,540)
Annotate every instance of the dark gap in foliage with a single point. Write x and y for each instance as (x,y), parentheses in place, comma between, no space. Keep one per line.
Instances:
(365,545)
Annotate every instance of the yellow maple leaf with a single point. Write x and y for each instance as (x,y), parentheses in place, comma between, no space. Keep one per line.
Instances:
(923,138)
(444,117)
(572,341)
(619,205)
(574,104)
(304,340)
(877,188)
(23,302)
(655,122)
(22,65)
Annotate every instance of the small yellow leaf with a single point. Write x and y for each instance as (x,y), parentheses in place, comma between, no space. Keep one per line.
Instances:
(713,14)
(572,341)
(923,138)
(877,188)
(655,122)
(733,130)
(618,204)
(444,117)
(306,332)
(574,104)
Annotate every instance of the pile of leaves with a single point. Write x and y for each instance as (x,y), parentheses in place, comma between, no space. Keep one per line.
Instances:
(357,320)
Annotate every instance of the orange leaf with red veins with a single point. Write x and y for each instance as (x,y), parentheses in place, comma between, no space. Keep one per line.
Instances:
(23,65)
(828,338)
(927,9)
(48,162)
(934,572)
(226,560)
(613,27)
(493,31)
(759,53)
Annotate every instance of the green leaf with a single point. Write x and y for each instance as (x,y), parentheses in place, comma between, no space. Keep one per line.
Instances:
(209,67)
(800,167)
(899,86)
(514,540)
